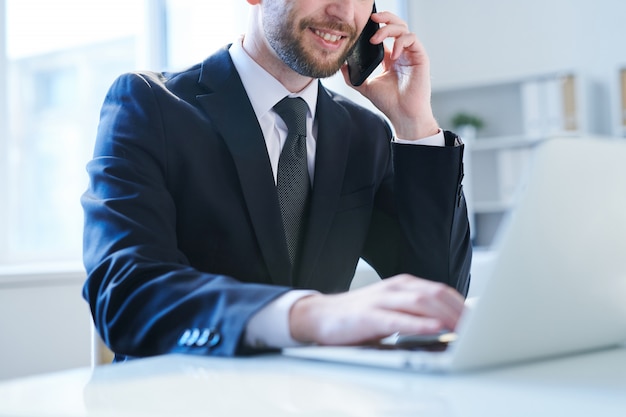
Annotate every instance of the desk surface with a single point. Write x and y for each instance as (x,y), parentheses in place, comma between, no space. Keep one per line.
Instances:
(584,385)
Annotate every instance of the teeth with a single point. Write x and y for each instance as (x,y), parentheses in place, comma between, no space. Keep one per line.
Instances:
(327,36)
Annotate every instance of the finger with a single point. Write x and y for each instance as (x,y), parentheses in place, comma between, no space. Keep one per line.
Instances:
(448,313)
(392,26)
(389,322)
(446,304)
(387,18)
(391,31)
(407,42)
(398,29)
(377,324)
(425,298)
(425,305)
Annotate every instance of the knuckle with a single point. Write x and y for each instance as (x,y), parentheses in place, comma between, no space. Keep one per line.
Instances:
(398,280)
(439,290)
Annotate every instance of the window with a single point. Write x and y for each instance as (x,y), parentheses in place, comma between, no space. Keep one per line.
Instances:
(57,60)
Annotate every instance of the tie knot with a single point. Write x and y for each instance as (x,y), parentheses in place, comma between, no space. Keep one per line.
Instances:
(293,112)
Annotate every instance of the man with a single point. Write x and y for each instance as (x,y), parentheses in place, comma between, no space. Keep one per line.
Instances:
(185,244)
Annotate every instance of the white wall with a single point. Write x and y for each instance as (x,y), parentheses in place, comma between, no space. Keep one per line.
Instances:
(44,322)
(485,41)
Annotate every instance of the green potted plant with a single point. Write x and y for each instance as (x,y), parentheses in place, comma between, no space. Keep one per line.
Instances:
(466,125)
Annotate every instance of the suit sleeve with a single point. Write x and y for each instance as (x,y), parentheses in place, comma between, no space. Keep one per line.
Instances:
(420,224)
(144,296)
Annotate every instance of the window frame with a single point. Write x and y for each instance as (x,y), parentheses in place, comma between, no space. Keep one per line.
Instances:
(4,131)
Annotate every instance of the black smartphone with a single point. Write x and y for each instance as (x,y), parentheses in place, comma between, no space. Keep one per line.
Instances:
(365,57)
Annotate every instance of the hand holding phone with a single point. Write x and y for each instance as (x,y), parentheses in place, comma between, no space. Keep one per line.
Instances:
(365,57)
(402,92)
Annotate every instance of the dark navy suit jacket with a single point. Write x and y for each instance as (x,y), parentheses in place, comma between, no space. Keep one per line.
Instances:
(182,209)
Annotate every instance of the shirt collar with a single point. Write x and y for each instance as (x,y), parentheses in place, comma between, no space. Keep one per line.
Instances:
(263,90)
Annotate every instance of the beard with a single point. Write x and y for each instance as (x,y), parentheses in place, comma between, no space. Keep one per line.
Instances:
(285,36)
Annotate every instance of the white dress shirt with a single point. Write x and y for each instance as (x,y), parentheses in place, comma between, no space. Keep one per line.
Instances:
(269,327)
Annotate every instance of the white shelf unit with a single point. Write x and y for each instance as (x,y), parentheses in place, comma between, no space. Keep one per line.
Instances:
(517,115)
(497,165)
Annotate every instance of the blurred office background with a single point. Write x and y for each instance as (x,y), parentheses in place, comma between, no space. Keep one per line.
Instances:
(523,71)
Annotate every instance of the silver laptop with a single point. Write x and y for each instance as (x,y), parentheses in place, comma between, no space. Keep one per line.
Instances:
(558,282)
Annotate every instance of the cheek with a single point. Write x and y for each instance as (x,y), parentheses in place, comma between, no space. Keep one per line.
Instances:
(362,21)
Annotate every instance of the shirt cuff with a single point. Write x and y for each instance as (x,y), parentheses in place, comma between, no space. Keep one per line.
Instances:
(438,139)
(269,327)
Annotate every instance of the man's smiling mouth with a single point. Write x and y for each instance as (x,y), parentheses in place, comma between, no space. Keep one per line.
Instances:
(328,37)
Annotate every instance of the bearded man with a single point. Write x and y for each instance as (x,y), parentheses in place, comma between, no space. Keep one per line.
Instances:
(212,227)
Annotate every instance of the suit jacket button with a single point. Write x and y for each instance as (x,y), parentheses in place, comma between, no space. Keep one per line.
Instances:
(215,339)
(208,337)
(195,334)
(184,338)
(204,337)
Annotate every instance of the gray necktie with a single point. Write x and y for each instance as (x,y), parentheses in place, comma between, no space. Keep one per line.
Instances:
(293,175)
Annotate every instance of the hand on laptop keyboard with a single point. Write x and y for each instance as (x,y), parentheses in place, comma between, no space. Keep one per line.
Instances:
(404,304)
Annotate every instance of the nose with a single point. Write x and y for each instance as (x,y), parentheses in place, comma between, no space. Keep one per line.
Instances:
(342,10)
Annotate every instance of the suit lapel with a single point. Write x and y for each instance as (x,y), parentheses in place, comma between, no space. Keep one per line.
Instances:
(330,163)
(231,112)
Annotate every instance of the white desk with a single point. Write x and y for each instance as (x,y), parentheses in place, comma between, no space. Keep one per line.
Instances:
(585,385)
